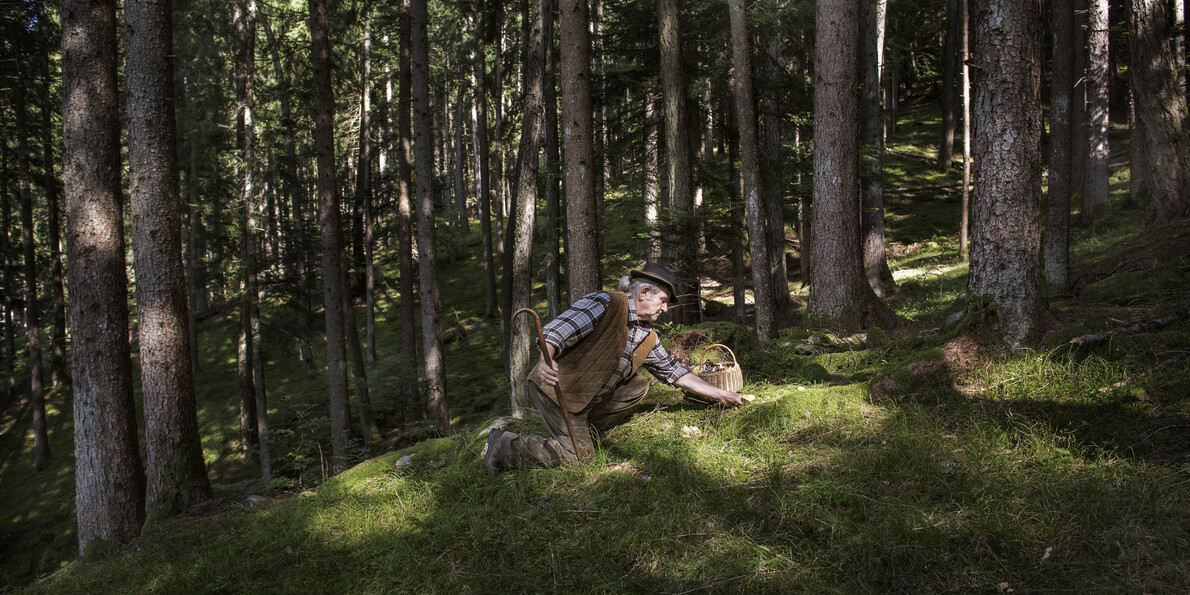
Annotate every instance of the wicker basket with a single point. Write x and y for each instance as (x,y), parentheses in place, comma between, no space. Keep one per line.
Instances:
(727,376)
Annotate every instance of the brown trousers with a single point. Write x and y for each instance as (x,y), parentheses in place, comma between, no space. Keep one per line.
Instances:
(523,451)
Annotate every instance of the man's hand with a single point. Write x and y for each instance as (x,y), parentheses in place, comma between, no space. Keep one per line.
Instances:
(548,373)
(702,388)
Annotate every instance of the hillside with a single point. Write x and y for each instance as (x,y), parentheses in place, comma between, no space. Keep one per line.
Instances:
(899,460)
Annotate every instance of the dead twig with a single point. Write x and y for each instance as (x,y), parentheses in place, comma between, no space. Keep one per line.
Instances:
(1144,325)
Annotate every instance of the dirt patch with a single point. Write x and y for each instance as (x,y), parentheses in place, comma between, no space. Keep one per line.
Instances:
(687,343)
(963,354)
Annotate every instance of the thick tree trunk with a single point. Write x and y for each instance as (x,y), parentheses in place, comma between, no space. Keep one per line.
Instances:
(412,408)
(431,323)
(762,280)
(524,212)
(839,295)
(176,471)
(1095,188)
(332,237)
(677,148)
(739,244)
(872,19)
(41,437)
(1056,249)
(582,230)
(109,479)
(1006,212)
(1160,109)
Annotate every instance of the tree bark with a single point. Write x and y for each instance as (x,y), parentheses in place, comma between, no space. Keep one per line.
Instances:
(1095,189)
(947,97)
(404,222)
(109,479)
(524,212)
(552,177)
(876,269)
(175,469)
(677,148)
(965,215)
(776,181)
(10,342)
(359,372)
(762,280)
(329,219)
(1006,211)
(651,169)
(1056,249)
(431,322)
(582,230)
(840,297)
(1160,106)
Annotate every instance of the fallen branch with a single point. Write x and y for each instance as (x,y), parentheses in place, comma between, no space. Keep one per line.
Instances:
(1144,325)
(1157,368)
(915,190)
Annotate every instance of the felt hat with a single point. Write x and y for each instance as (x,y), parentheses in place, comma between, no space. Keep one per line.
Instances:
(658,274)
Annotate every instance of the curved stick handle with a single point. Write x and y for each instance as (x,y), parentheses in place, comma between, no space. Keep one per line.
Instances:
(540,337)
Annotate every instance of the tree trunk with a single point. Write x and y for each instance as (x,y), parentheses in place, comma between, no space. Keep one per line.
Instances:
(1160,106)
(739,225)
(1095,189)
(10,341)
(176,471)
(359,373)
(840,297)
(650,168)
(409,388)
(431,323)
(364,191)
(582,230)
(59,375)
(41,438)
(872,219)
(479,119)
(775,183)
(1078,102)
(762,280)
(947,96)
(252,384)
(109,479)
(329,220)
(460,161)
(553,217)
(524,212)
(192,253)
(1006,212)
(1056,249)
(964,216)
(677,147)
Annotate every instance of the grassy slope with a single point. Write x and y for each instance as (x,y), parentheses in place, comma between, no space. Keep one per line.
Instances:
(1018,470)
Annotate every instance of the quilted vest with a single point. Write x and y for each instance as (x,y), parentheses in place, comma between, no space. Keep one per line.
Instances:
(584,367)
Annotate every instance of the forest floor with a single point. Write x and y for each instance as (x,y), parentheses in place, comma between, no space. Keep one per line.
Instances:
(907,459)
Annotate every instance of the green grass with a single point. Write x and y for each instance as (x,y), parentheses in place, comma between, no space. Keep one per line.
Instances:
(1059,467)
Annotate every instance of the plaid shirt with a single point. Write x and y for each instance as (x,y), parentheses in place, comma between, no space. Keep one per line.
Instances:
(580,320)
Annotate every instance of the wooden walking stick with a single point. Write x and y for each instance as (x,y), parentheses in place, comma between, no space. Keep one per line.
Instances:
(550,362)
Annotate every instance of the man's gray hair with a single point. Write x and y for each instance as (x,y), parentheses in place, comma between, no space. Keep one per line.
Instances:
(633,286)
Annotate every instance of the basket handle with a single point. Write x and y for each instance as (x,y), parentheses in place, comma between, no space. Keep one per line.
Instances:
(721,346)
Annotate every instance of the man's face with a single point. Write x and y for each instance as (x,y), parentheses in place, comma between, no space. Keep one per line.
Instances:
(651,304)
